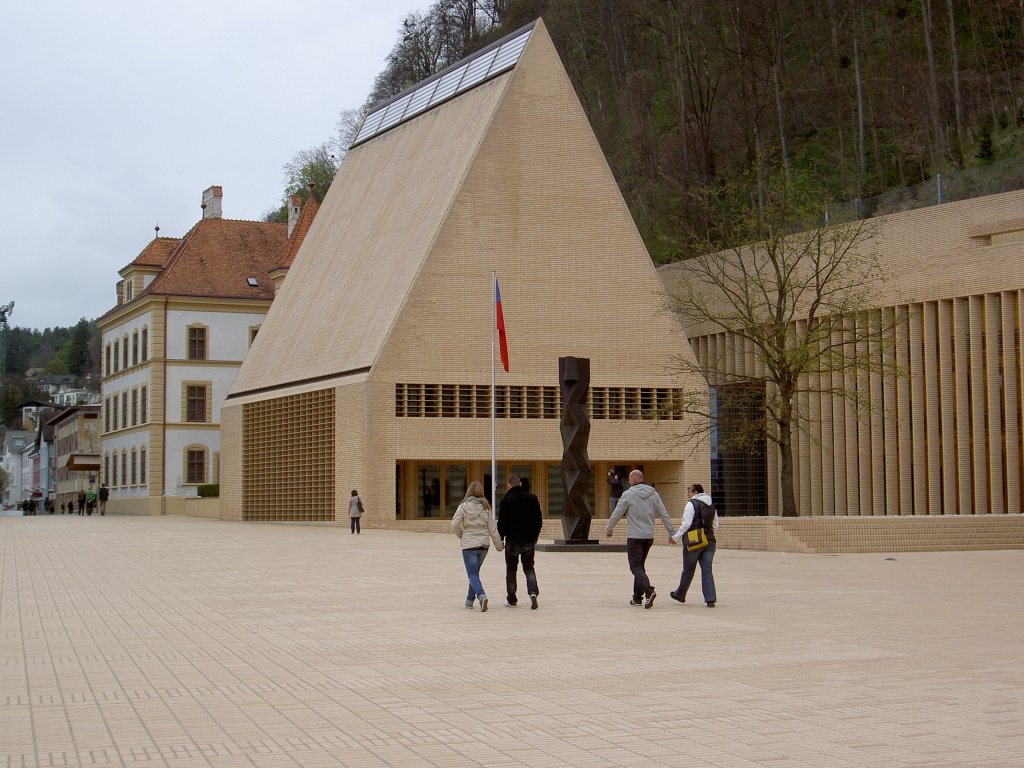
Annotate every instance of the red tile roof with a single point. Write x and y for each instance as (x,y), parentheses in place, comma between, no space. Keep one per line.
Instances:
(301,228)
(217,256)
(156,253)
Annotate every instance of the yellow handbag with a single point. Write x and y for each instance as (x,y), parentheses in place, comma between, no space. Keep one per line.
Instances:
(696,539)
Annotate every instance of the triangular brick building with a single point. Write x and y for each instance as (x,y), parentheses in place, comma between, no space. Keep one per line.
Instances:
(372,370)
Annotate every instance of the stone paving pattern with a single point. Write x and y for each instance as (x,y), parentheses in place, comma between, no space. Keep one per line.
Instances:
(186,642)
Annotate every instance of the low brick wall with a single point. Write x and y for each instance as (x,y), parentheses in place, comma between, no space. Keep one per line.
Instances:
(821,535)
(873,534)
(810,535)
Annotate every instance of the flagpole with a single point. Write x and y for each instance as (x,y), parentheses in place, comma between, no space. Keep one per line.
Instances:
(494,456)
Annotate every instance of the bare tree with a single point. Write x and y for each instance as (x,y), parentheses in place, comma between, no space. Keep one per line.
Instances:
(795,295)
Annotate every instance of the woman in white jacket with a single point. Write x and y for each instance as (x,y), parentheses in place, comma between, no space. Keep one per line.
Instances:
(475,525)
(698,513)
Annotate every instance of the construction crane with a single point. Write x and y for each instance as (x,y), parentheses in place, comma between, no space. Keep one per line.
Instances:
(5,311)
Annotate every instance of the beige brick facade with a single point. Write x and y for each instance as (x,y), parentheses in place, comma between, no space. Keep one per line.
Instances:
(391,297)
(947,438)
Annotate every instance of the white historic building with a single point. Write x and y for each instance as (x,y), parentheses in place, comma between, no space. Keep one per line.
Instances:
(187,310)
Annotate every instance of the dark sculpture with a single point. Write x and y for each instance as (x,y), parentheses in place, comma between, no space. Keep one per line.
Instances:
(577,474)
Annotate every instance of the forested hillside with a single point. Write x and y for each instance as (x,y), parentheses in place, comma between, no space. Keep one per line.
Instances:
(74,351)
(699,99)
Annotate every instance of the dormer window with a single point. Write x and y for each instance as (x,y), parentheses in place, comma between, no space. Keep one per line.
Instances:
(253,283)
(127,290)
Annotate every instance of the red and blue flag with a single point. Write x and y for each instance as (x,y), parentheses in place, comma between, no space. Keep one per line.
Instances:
(500,320)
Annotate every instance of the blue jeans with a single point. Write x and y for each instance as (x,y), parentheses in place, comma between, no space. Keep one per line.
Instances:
(707,579)
(474,558)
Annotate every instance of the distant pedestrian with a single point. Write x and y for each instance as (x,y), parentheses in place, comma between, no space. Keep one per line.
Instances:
(355,510)
(474,524)
(71,506)
(698,513)
(104,495)
(81,502)
(614,480)
(519,524)
(62,507)
(641,503)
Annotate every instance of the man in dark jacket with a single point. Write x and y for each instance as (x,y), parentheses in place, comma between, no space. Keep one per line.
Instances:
(519,524)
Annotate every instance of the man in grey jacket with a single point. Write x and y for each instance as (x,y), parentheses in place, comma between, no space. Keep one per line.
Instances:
(640,503)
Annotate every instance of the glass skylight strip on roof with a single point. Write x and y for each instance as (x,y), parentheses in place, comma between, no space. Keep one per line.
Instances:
(476,70)
(485,64)
(421,98)
(395,112)
(509,52)
(370,125)
(447,85)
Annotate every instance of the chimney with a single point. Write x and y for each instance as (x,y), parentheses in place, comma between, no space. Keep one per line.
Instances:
(294,209)
(211,202)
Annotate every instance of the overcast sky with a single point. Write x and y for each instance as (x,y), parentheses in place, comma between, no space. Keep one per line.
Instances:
(116,115)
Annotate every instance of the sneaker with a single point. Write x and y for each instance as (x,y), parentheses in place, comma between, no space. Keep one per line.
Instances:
(676,596)
(510,605)
(533,602)
(483,604)
(636,601)
(650,599)
(711,604)
(469,603)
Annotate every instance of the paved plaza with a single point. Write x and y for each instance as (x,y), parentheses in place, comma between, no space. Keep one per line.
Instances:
(188,642)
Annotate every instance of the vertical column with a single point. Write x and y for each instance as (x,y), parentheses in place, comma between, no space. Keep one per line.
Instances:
(931,398)
(713,361)
(890,414)
(994,397)
(878,404)
(772,462)
(839,406)
(828,480)
(962,368)
(817,443)
(917,404)
(947,408)
(853,494)
(1011,399)
(864,406)
(802,443)
(979,437)
(904,424)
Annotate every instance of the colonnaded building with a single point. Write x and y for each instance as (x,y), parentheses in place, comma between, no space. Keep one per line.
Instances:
(372,370)
(947,436)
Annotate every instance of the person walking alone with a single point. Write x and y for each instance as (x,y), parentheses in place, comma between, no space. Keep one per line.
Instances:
(355,510)
(698,513)
(474,524)
(519,523)
(614,489)
(641,503)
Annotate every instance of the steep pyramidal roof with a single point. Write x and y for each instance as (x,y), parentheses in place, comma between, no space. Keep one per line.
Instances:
(394,276)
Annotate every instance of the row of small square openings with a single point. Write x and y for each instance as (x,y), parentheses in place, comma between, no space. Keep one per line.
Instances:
(473,401)
(458,78)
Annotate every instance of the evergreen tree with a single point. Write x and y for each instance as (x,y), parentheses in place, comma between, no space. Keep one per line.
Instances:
(78,358)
